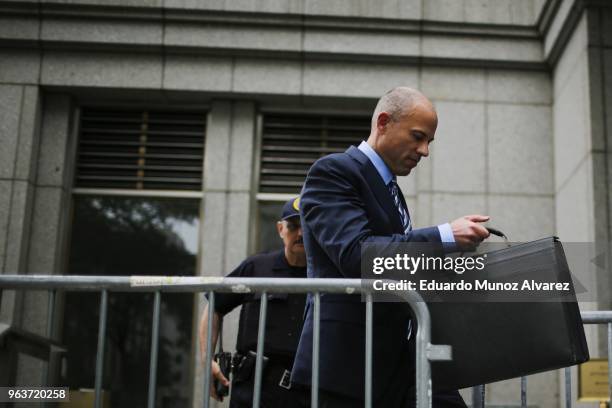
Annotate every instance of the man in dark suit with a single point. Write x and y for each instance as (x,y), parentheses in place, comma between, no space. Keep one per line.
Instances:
(352,198)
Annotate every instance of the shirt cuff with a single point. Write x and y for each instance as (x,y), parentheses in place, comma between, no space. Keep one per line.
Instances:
(446,233)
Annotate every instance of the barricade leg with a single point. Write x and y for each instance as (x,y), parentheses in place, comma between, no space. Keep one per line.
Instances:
(154,350)
(261,336)
(209,350)
(314,381)
(568,387)
(368,351)
(610,360)
(45,380)
(100,351)
(478,396)
(523,391)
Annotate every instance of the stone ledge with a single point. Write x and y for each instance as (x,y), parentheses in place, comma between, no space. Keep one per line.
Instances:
(569,22)
(440,60)
(153,30)
(162,15)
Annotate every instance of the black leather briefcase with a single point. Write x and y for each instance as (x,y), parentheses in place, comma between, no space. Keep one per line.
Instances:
(494,341)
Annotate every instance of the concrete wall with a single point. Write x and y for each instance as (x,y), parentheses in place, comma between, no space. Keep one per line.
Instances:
(34,174)
(493,150)
(492,155)
(19,127)
(600,104)
(286,54)
(575,202)
(228,198)
(49,217)
(19,140)
(517,12)
(573,141)
(603,118)
(581,144)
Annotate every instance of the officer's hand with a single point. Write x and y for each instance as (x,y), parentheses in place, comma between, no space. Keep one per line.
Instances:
(468,232)
(216,373)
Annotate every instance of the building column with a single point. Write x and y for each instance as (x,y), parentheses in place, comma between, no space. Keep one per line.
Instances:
(19,128)
(226,207)
(45,221)
(582,79)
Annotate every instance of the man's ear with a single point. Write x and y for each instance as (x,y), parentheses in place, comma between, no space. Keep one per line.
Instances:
(279,228)
(382,121)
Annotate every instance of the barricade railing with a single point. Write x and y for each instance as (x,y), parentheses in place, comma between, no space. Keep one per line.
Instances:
(425,351)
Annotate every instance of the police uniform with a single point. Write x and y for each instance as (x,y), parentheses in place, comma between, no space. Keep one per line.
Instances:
(283,328)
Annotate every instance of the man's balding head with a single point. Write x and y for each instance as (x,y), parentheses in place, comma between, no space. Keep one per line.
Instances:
(398,101)
(403,124)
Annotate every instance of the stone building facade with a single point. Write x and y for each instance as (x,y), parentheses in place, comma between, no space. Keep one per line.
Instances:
(523,90)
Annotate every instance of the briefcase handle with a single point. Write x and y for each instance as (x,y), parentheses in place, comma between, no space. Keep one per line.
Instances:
(495,231)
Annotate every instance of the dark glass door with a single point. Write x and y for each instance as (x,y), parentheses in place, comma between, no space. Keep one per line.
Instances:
(115,235)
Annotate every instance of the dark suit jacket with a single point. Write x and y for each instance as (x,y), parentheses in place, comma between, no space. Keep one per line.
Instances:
(344,203)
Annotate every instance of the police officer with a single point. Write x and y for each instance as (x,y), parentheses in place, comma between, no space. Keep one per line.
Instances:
(283,322)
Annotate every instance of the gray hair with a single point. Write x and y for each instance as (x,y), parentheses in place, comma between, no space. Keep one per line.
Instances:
(398,101)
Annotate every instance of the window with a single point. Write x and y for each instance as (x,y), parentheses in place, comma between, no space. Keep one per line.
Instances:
(140,150)
(290,144)
(136,211)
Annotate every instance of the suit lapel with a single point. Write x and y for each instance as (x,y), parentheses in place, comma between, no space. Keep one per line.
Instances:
(379,189)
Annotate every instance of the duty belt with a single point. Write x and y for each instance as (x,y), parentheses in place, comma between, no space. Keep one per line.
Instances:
(275,370)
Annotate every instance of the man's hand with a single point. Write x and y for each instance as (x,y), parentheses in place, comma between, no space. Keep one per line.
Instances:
(215,370)
(216,373)
(468,232)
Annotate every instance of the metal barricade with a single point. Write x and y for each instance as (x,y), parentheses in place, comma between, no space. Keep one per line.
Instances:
(588,317)
(425,351)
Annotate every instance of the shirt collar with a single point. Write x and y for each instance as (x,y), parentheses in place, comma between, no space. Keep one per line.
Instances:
(377,161)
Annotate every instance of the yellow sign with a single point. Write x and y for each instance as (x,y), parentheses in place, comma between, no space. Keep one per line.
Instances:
(593,381)
(84,398)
